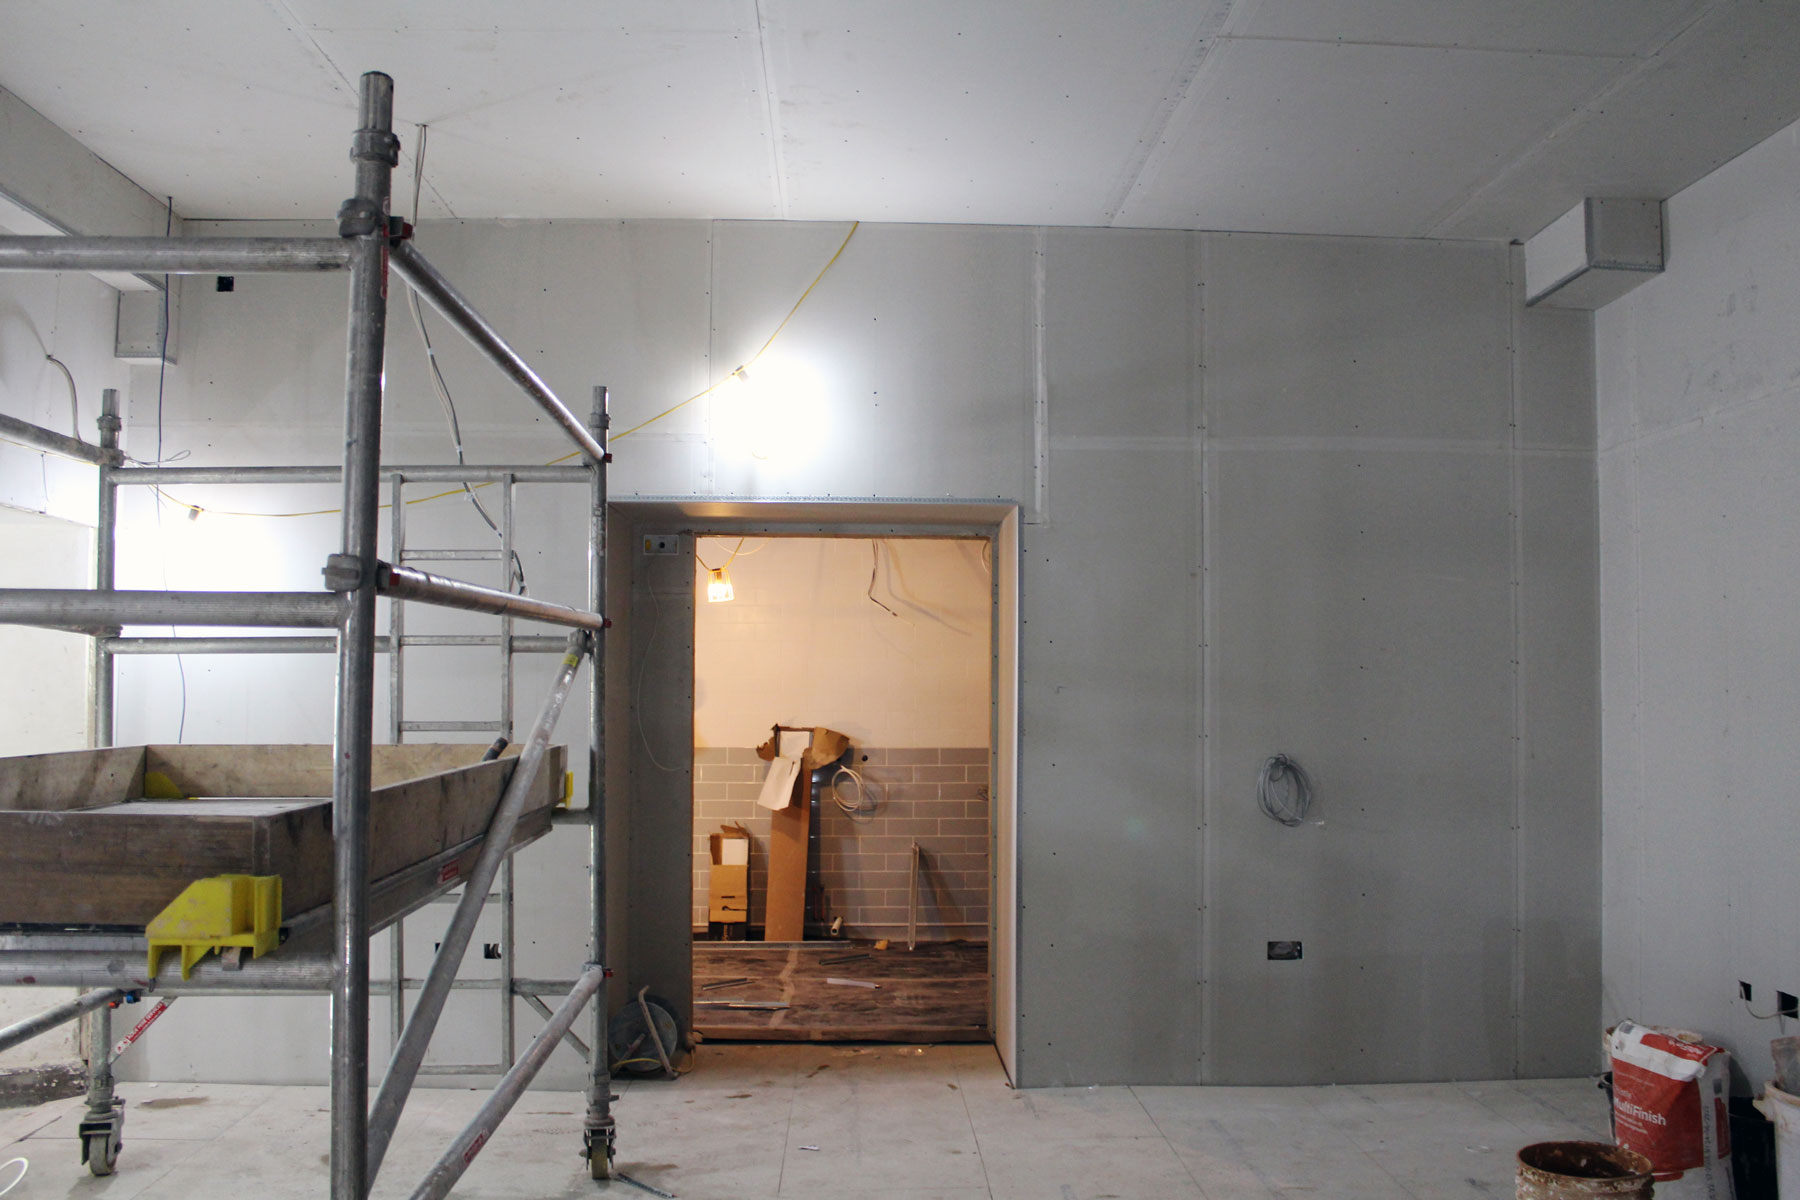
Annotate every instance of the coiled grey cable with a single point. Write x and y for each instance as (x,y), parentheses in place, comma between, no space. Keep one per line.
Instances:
(1283,791)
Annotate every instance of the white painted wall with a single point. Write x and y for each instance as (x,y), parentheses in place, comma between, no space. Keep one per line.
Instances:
(1332,497)
(70,316)
(1699,379)
(46,539)
(802,642)
(46,709)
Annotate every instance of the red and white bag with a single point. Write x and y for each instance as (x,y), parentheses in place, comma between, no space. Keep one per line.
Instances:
(1669,1104)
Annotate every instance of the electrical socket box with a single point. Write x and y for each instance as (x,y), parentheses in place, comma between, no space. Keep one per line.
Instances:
(1787,1005)
(662,543)
(1284,951)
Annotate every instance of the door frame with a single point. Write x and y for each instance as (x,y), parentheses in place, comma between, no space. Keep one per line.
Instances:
(650,754)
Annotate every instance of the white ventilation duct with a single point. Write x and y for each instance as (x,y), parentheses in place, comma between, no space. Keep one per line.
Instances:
(1594,253)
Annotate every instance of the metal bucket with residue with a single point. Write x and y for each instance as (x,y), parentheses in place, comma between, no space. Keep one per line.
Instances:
(1580,1170)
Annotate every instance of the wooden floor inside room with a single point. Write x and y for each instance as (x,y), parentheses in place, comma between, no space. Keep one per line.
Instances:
(936,993)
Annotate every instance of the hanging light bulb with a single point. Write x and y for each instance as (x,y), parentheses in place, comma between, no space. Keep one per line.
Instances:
(718,586)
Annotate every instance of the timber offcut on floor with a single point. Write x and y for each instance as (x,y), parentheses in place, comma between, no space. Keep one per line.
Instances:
(935,993)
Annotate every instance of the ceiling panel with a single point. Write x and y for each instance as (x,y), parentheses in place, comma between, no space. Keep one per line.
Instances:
(1311,137)
(1725,85)
(949,111)
(1607,27)
(529,122)
(1448,118)
(217,104)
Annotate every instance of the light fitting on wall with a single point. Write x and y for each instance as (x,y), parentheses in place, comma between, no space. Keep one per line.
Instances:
(774,413)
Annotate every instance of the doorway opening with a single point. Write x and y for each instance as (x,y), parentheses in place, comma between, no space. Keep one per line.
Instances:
(843,705)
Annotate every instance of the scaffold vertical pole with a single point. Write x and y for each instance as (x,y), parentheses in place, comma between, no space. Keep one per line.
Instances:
(363,221)
(106,525)
(599,1130)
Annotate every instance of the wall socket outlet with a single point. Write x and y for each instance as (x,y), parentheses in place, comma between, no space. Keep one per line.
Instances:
(662,543)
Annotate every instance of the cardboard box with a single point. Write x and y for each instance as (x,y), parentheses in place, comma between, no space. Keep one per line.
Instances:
(728,883)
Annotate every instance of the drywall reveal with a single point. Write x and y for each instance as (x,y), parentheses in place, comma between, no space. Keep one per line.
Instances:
(1699,378)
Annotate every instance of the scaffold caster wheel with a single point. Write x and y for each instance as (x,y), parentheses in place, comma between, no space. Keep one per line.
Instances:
(100,1152)
(101,1139)
(600,1166)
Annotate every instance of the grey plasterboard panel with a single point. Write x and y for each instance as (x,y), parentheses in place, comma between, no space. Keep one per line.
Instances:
(1107,972)
(1120,310)
(1625,142)
(1555,351)
(1612,27)
(1622,820)
(622,749)
(1559,785)
(1361,622)
(923,398)
(1724,330)
(60,181)
(1686,656)
(1705,884)
(1288,114)
(698,150)
(1595,287)
(976,94)
(1321,337)
(640,328)
(662,812)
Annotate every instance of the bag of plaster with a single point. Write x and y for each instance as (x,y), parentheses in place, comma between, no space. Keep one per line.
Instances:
(1670,1104)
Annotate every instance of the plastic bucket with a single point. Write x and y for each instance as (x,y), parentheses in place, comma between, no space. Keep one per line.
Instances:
(1783,1112)
(1579,1170)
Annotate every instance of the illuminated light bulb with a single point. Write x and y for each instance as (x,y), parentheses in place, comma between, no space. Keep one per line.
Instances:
(774,413)
(718,586)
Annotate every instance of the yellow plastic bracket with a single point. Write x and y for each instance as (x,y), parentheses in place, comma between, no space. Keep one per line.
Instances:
(214,913)
(568,789)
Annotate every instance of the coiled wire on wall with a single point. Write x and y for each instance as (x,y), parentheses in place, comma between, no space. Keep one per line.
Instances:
(866,802)
(1283,791)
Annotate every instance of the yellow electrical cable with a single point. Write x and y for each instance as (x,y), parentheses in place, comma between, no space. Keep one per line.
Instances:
(196,509)
(723,565)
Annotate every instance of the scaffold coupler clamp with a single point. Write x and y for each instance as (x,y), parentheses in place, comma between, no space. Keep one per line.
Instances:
(358,217)
(376,145)
(344,572)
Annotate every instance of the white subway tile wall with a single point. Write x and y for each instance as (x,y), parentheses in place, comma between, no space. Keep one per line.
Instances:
(936,796)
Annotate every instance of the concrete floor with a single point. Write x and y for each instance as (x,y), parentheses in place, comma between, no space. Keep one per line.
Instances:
(830,1121)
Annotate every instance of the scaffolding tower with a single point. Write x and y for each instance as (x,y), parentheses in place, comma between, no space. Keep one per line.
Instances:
(370,242)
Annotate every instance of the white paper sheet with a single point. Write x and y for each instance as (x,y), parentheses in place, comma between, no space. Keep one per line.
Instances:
(778,784)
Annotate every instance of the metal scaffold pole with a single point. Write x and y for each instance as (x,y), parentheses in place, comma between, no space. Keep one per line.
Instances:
(599,1131)
(363,224)
(100,663)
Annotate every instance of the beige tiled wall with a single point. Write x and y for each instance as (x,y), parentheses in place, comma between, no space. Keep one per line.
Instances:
(937,796)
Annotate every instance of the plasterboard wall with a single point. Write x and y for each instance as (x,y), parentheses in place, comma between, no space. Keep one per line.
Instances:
(1277,494)
(46,710)
(1699,374)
